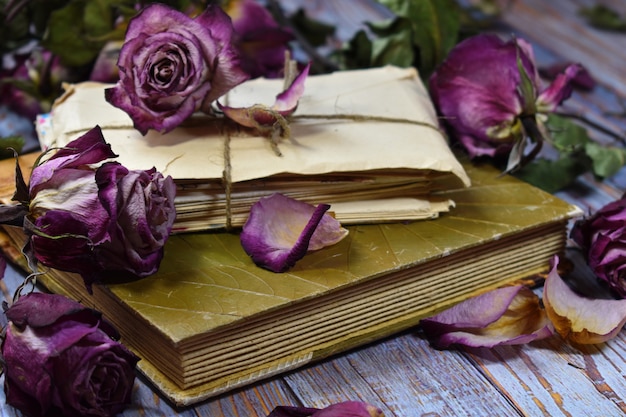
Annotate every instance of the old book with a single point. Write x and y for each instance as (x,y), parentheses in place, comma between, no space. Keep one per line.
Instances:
(210,320)
(371,170)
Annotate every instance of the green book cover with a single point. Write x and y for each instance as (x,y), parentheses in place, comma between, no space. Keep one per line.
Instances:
(210,320)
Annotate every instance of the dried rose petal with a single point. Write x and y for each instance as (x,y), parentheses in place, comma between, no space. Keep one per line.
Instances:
(505,316)
(343,409)
(281,230)
(580,319)
(583,80)
(262,117)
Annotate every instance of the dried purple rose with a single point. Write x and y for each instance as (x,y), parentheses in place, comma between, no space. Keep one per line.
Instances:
(505,316)
(261,42)
(602,237)
(171,66)
(281,230)
(487,91)
(90,216)
(60,358)
(342,409)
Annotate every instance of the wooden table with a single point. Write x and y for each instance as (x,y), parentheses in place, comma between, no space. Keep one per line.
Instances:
(403,374)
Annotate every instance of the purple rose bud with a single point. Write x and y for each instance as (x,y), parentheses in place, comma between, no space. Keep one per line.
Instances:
(60,358)
(171,66)
(90,216)
(602,237)
(261,42)
(487,91)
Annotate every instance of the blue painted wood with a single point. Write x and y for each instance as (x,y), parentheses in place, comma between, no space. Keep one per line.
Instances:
(402,374)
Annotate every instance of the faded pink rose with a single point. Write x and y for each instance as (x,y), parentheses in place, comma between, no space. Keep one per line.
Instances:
(172,65)
(488,93)
(92,216)
(60,358)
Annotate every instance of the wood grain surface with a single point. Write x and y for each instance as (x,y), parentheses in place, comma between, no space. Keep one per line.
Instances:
(403,374)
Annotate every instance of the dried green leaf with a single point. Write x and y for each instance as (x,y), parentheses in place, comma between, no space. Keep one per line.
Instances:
(607,160)
(603,17)
(393,45)
(10,143)
(315,32)
(554,175)
(78,31)
(356,53)
(435,26)
(566,135)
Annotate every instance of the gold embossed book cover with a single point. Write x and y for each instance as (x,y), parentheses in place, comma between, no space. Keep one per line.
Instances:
(210,320)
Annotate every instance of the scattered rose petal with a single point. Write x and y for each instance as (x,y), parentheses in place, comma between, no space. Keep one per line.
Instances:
(580,319)
(505,316)
(264,118)
(281,230)
(343,409)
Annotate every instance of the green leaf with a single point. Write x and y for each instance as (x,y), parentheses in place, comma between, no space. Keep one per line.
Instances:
(78,31)
(435,26)
(315,32)
(356,53)
(607,160)
(552,176)
(393,46)
(603,17)
(8,143)
(566,135)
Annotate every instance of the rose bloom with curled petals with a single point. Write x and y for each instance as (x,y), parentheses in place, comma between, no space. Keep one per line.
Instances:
(488,92)
(92,216)
(60,358)
(602,237)
(172,65)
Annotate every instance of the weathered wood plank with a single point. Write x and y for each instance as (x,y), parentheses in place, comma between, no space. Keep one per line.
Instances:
(552,378)
(405,375)
(557,26)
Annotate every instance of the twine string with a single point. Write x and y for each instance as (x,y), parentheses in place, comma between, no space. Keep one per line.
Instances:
(281,129)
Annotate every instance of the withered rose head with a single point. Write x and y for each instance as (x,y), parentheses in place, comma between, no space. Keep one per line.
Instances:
(602,237)
(172,65)
(488,92)
(89,215)
(61,358)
